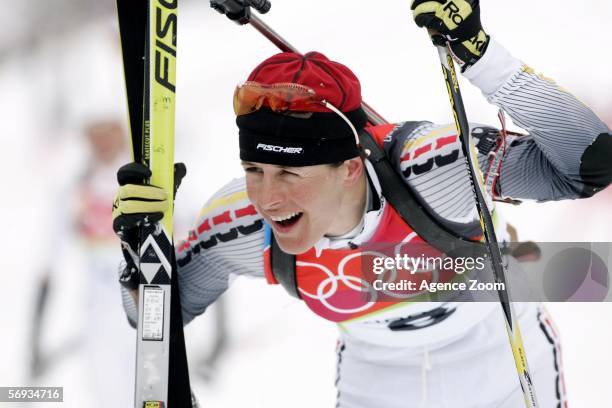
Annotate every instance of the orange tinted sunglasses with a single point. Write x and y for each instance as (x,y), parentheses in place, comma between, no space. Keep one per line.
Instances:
(282,97)
(250,96)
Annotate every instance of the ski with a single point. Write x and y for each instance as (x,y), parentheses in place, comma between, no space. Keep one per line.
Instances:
(148,40)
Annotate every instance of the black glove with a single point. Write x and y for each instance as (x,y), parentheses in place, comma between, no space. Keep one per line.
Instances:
(138,205)
(456,23)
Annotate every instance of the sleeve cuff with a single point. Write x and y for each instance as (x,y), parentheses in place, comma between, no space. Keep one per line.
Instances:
(130,307)
(493,69)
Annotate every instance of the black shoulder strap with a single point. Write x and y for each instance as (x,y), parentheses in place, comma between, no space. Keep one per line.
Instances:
(404,201)
(283,268)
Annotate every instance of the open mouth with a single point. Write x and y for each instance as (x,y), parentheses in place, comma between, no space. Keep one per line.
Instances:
(287,220)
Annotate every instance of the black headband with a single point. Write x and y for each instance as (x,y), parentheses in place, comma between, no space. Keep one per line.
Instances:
(296,140)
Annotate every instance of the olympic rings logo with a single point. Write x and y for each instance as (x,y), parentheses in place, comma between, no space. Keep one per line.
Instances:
(368,296)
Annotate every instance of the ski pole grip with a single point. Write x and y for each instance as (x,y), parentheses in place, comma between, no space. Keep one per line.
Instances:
(231,7)
(240,10)
(262,6)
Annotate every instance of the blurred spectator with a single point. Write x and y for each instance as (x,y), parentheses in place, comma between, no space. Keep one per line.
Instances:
(80,334)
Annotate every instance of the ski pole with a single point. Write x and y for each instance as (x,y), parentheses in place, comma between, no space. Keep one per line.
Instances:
(486,222)
(239,12)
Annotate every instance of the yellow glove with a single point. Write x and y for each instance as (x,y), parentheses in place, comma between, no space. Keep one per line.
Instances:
(456,23)
(137,203)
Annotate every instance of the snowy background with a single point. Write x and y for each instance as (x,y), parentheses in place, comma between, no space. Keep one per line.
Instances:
(60,69)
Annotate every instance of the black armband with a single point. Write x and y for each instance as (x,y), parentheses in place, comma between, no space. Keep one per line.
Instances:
(596,165)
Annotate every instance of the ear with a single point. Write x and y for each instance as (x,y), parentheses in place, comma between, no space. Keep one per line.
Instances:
(354,169)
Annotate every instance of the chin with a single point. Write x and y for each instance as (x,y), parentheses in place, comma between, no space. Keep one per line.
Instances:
(294,247)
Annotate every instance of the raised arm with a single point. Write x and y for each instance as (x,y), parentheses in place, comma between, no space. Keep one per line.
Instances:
(565,153)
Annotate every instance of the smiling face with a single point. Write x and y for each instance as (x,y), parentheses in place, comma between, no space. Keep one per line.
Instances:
(302,204)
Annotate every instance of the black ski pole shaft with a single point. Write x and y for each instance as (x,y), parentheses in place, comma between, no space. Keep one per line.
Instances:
(486,222)
(271,35)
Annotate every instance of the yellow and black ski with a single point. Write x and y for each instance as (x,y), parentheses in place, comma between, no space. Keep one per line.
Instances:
(148,40)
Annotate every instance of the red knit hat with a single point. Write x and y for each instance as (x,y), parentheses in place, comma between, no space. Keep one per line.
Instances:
(329,79)
(321,137)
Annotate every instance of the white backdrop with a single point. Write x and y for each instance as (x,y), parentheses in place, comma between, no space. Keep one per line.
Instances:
(278,352)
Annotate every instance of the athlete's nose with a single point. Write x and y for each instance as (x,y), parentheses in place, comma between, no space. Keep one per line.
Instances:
(270,194)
